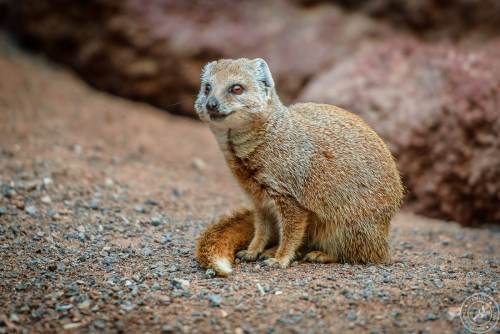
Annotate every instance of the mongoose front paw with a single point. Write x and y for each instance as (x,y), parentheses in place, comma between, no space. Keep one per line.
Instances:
(246,255)
(275,263)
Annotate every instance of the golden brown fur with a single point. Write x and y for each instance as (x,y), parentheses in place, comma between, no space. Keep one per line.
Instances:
(320,179)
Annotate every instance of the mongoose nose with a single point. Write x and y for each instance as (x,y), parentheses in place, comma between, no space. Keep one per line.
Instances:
(212,104)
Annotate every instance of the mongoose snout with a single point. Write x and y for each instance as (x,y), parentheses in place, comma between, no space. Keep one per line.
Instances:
(212,104)
(323,184)
(213,111)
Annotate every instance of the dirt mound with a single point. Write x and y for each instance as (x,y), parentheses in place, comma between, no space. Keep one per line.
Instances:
(101,200)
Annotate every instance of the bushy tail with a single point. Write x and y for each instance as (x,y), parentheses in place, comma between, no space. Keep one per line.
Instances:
(218,244)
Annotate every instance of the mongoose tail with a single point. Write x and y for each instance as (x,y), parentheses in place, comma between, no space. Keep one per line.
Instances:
(218,244)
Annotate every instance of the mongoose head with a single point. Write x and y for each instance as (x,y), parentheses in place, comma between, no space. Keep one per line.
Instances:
(234,92)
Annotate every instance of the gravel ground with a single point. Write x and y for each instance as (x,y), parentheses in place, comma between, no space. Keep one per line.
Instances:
(101,200)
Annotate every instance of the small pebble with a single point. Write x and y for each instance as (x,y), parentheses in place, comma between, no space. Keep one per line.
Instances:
(127,306)
(109,182)
(19,203)
(468,255)
(46,199)
(304,296)
(94,204)
(84,305)
(53,213)
(63,307)
(351,316)
(151,202)
(155,221)
(199,164)
(14,317)
(261,289)
(311,313)
(72,325)
(166,328)
(140,208)
(406,245)
(77,149)
(210,273)
(99,323)
(165,300)
(438,283)
(47,181)
(166,238)
(21,286)
(214,300)
(61,267)
(180,283)
(453,313)
(31,210)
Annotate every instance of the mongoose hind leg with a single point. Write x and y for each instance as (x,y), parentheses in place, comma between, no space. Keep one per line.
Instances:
(268,253)
(365,243)
(292,225)
(318,257)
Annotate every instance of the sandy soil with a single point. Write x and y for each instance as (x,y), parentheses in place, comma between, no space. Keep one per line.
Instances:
(101,200)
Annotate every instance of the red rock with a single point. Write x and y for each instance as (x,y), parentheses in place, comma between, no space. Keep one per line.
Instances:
(433,18)
(438,108)
(154,51)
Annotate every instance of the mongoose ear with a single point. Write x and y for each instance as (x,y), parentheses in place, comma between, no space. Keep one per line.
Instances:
(263,72)
(205,72)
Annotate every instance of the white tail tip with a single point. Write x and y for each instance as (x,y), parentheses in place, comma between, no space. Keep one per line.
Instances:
(222,266)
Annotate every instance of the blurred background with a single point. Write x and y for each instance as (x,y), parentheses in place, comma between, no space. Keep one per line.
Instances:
(424,73)
(107,178)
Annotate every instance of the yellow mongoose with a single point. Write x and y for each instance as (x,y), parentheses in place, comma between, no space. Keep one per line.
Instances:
(322,182)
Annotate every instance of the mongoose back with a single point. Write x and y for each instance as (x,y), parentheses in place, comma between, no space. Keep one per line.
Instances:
(323,184)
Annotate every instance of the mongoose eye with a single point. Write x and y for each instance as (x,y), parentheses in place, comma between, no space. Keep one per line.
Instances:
(236,89)
(207,89)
